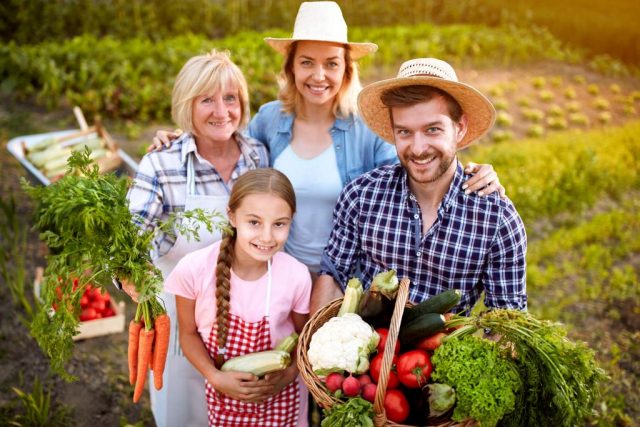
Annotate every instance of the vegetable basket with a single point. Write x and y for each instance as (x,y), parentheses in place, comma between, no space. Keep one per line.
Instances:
(316,386)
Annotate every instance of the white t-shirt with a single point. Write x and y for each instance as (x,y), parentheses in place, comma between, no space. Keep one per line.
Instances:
(317,185)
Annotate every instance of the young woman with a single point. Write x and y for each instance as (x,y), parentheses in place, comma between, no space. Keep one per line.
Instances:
(210,101)
(313,132)
(242,295)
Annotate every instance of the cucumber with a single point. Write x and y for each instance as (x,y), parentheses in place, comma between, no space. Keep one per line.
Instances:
(440,303)
(422,327)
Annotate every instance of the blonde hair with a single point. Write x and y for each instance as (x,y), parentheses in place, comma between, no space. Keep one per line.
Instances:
(257,181)
(345,102)
(204,74)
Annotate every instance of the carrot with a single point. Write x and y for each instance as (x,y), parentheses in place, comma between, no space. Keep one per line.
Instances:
(144,353)
(134,336)
(162,325)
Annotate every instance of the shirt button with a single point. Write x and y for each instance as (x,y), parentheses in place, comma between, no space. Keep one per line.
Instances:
(416,216)
(418,253)
(337,147)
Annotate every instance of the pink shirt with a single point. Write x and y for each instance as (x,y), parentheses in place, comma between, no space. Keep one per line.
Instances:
(194,278)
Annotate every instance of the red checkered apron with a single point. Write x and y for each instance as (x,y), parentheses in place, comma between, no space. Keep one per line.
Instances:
(247,337)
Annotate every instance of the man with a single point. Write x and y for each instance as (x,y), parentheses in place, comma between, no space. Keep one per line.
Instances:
(415,217)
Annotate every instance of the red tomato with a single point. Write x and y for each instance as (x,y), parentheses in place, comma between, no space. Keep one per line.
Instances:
(432,342)
(75,284)
(106,297)
(396,406)
(84,301)
(88,314)
(108,312)
(384,333)
(96,294)
(99,305)
(376,366)
(414,368)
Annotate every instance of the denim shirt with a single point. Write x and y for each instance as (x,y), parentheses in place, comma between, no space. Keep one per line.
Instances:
(358,149)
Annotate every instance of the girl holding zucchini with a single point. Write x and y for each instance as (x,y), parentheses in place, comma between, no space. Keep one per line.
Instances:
(241,296)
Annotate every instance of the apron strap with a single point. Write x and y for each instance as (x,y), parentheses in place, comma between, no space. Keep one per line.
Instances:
(191,175)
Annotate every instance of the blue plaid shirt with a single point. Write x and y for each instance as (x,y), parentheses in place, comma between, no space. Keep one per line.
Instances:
(475,244)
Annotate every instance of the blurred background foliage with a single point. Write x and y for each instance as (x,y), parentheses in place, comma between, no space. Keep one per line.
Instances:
(598,27)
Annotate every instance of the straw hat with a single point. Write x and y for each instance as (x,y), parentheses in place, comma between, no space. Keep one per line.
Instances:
(428,72)
(321,21)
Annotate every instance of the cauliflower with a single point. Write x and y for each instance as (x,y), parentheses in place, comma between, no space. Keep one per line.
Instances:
(342,344)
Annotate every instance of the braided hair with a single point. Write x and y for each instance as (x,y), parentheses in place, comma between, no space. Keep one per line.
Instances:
(258,181)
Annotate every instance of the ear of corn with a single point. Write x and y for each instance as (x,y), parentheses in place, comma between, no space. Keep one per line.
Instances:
(258,363)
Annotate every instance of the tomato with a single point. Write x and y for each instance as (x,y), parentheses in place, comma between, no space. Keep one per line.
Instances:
(376,366)
(414,368)
(95,294)
(396,406)
(88,313)
(432,342)
(99,305)
(384,333)
(108,312)
(84,301)
(106,297)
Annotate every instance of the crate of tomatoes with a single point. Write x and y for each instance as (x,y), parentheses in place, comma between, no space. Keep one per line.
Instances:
(100,313)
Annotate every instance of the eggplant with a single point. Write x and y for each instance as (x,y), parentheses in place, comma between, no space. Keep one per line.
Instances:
(377,303)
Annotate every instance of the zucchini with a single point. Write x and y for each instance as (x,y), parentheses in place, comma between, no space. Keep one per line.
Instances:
(440,303)
(422,327)
(259,363)
(288,343)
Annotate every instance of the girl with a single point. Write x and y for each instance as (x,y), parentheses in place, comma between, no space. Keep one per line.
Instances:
(242,295)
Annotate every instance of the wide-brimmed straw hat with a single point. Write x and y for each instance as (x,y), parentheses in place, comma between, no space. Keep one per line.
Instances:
(427,72)
(321,21)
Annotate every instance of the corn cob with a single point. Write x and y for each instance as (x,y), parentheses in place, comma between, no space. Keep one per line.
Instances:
(258,363)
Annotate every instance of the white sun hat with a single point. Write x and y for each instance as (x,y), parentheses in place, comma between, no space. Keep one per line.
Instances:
(321,21)
(433,72)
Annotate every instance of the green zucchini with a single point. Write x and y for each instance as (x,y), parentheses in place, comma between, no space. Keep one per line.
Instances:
(422,327)
(440,303)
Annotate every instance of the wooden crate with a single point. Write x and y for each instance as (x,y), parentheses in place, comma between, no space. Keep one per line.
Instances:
(92,328)
(104,326)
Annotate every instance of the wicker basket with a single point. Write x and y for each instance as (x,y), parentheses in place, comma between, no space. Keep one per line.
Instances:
(315,384)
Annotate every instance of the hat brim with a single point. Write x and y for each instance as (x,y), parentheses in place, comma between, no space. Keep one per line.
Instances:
(358,50)
(478,109)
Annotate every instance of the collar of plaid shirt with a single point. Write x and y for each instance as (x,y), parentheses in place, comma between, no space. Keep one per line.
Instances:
(475,244)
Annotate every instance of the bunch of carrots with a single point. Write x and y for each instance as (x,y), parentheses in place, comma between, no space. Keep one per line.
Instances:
(148,345)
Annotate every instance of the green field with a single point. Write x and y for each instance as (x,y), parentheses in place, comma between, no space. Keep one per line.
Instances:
(563,77)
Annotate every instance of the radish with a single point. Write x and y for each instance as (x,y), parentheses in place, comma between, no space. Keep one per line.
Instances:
(351,386)
(369,391)
(334,381)
(364,379)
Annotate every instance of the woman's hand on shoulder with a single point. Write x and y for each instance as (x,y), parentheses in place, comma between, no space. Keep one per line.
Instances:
(242,386)
(485,181)
(163,139)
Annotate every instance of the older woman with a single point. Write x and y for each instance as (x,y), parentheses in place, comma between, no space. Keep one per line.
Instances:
(210,102)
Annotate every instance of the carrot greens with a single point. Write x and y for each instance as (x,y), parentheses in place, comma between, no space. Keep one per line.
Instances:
(85,221)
